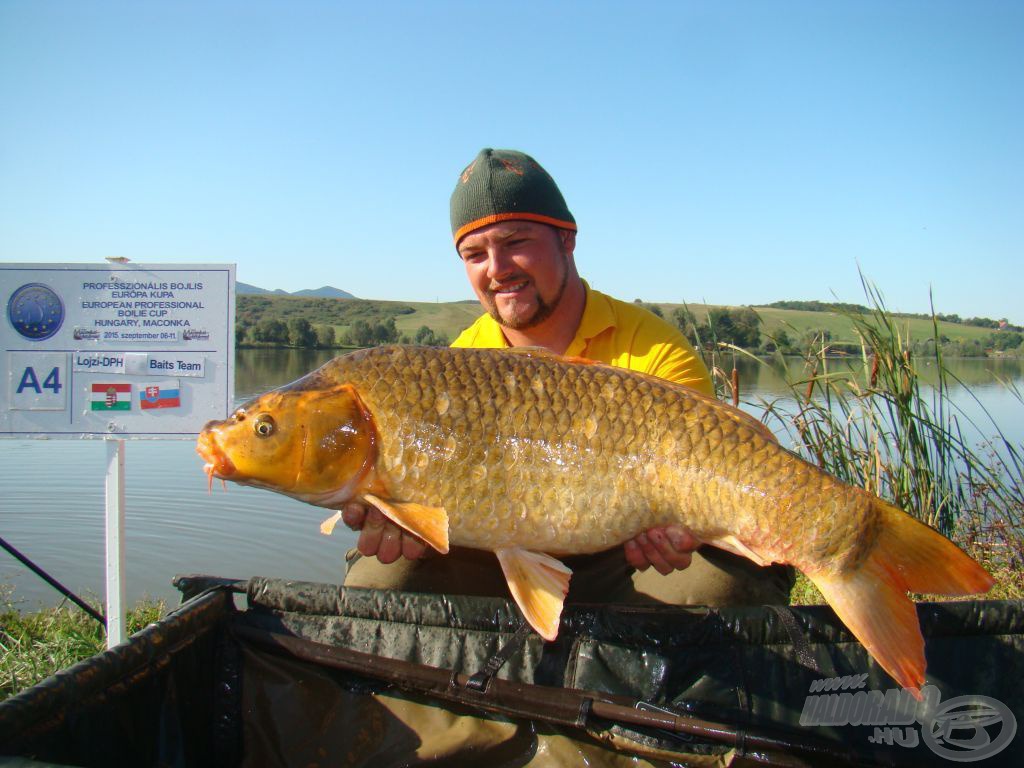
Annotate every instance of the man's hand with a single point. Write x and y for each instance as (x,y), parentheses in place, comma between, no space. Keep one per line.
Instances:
(668,548)
(379,537)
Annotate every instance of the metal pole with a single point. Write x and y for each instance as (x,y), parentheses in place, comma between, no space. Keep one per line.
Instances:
(115,542)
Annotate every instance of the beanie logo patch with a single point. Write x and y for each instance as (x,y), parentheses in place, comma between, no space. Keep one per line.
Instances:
(467,172)
(510,166)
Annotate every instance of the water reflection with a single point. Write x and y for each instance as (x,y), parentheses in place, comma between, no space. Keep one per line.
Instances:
(259,370)
(769,377)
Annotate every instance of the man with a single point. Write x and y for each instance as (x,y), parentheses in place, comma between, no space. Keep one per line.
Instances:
(517,239)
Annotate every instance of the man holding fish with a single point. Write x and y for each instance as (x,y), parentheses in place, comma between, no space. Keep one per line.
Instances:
(516,238)
(556,476)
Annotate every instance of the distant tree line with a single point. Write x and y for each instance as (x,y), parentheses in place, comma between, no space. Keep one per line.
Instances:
(820,306)
(323,311)
(739,327)
(836,306)
(1004,342)
(299,332)
(367,334)
(311,323)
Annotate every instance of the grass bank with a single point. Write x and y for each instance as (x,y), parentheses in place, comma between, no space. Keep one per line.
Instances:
(35,645)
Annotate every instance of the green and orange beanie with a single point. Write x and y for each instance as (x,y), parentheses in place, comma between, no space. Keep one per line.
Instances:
(501,185)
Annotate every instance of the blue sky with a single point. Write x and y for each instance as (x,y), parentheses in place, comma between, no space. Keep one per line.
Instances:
(729,152)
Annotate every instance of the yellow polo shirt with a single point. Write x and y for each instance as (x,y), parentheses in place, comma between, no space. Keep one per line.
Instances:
(617,333)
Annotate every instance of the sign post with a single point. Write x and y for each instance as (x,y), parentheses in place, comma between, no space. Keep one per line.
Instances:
(115,542)
(115,352)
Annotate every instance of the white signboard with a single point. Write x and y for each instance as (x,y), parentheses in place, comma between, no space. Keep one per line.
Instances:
(115,350)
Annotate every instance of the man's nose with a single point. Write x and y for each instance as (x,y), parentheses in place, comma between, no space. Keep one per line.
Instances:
(498,264)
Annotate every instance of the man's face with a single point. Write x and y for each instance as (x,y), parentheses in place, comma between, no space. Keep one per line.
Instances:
(518,270)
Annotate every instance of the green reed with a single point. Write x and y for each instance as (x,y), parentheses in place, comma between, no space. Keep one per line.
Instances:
(877,424)
(875,421)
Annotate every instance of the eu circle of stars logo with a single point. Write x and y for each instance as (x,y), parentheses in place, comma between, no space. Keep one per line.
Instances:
(35,311)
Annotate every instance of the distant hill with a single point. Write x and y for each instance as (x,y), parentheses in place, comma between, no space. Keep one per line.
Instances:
(253,290)
(327,291)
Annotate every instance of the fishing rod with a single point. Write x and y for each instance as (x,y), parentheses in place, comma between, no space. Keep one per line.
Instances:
(24,560)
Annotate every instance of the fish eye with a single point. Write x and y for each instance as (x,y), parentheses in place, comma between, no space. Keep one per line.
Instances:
(263,426)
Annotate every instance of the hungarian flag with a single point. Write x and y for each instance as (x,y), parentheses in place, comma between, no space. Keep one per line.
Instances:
(111,397)
(161,394)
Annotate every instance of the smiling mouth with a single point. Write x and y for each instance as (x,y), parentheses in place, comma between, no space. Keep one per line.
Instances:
(510,288)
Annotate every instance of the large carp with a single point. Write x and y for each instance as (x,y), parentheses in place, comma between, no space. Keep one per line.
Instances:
(533,456)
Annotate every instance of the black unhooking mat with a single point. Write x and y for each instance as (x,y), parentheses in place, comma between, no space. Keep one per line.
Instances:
(319,675)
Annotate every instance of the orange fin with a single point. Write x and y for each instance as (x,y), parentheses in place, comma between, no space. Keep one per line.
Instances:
(872,600)
(327,526)
(429,523)
(731,544)
(539,584)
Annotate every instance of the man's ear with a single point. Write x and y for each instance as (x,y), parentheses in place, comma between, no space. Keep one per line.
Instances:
(568,238)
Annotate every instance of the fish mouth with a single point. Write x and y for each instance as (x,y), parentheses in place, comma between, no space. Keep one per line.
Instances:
(217,462)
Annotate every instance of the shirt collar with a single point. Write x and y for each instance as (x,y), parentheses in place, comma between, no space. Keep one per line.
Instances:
(597,318)
(490,336)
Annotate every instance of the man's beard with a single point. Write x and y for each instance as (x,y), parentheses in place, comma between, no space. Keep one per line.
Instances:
(544,308)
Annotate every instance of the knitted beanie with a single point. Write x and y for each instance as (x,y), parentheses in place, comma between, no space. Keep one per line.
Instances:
(502,184)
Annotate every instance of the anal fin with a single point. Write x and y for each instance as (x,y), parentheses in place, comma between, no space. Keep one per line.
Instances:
(539,584)
(429,523)
(731,544)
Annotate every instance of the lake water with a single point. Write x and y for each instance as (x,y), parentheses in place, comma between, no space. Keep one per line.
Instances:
(52,505)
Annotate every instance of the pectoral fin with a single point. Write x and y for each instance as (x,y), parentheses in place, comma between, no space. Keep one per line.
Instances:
(539,584)
(429,523)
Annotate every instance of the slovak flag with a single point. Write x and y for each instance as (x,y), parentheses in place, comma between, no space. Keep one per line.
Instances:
(160,394)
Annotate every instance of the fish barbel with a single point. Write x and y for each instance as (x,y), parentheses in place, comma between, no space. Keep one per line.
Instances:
(533,456)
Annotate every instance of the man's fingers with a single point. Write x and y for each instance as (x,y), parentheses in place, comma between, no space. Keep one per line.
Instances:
(681,539)
(653,553)
(354,515)
(371,534)
(413,548)
(390,548)
(672,547)
(635,556)
(380,538)
(666,548)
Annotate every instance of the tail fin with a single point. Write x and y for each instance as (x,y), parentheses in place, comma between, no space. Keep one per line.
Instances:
(872,601)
